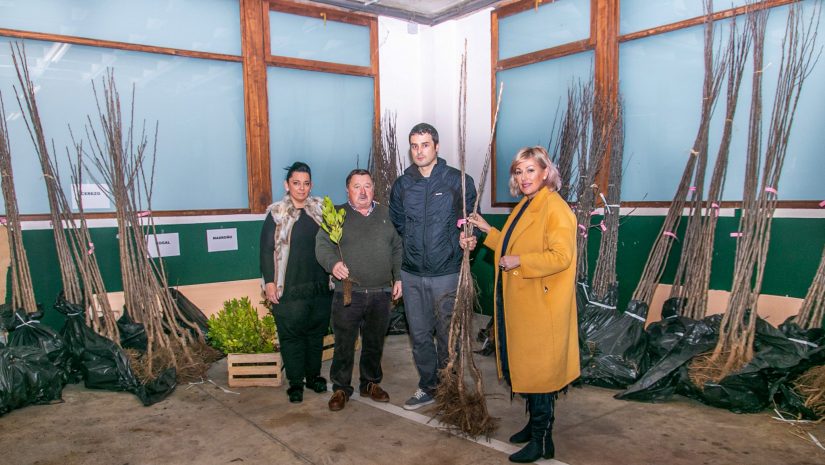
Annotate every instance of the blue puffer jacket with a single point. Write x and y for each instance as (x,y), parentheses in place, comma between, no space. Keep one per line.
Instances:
(425,212)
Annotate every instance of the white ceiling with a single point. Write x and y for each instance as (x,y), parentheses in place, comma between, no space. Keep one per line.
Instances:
(428,12)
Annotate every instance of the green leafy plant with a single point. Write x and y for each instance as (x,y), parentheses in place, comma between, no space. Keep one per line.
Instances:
(333,221)
(333,224)
(238,329)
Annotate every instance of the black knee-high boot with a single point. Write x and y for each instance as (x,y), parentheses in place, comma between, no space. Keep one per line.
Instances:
(542,416)
(523,435)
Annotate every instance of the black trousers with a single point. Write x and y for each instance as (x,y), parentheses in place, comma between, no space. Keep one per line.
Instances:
(369,314)
(302,325)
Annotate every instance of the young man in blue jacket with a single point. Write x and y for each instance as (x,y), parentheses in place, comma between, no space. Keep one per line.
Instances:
(425,206)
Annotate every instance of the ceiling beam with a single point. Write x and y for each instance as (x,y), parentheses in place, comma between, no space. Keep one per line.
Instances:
(455,11)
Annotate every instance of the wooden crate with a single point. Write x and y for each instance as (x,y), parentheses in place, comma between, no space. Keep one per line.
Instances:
(255,369)
(329,346)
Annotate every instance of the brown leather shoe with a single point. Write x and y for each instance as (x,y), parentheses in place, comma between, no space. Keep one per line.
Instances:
(338,400)
(374,392)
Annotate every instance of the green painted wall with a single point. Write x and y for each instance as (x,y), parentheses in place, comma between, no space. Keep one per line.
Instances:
(794,254)
(194,265)
(796,247)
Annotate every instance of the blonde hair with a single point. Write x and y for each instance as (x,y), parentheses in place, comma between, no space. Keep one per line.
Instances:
(539,155)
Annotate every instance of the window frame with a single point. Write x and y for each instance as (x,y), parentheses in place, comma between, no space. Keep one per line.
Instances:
(604,40)
(255,57)
(261,57)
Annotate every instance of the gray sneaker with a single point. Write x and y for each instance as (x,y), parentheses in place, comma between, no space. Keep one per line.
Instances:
(419,399)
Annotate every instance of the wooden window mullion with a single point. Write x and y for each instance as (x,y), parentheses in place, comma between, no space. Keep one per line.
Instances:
(256,109)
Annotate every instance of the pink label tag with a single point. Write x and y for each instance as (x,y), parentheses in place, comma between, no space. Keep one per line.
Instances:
(692,188)
(601,225)
(583,229)
(461,222)
(91,248)
(736,234)
(771,190)
(144,214)
(668,233)
(822,204)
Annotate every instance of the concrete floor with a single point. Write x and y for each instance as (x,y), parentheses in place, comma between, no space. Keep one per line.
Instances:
(201,424)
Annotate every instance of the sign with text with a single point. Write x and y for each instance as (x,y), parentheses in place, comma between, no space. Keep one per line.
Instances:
(222,240)
(163,245)
(93,196)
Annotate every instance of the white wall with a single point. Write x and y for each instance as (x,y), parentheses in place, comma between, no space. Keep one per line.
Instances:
(420,82)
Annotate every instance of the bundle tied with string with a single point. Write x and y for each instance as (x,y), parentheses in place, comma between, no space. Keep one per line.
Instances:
(122,158)
(461,406)
(22,290)
(81,278)
(736,346)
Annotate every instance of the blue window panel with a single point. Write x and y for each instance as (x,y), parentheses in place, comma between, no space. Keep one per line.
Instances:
(804,161)
(557,23)
(532,96)
(638,15)
(318,39)
(198,104)
(200,25)
(661,82)
(322,119)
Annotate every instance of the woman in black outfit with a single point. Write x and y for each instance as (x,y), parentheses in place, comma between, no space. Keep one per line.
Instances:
(295,284)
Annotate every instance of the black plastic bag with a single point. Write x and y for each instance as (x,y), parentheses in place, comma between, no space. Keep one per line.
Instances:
(132,335)
(752,387)
(811,343)
(663,335)
(28,376)
(104,365)
(594,314)
(8,317)
(157,389)
(669,374)
(29,332)
(398,320)
(615,355)
(72,312)
(809,338)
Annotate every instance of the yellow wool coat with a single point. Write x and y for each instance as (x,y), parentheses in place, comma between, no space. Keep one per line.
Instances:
(539,295)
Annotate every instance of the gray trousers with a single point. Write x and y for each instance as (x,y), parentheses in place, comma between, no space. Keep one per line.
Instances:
(428,304)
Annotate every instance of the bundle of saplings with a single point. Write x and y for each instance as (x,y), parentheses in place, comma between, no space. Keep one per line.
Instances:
(31,366)
(102,364)
(802,391)
(751,355)
(752,388)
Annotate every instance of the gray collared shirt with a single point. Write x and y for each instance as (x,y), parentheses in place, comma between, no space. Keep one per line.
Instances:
(372,207)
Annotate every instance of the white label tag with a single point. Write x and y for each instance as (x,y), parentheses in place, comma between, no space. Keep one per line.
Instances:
(93,196)
(163,245)
(222,240)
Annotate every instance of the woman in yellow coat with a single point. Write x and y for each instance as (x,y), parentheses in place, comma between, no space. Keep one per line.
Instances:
(537,349)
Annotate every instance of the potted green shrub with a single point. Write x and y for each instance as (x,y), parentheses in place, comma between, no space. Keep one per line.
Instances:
(250,343)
